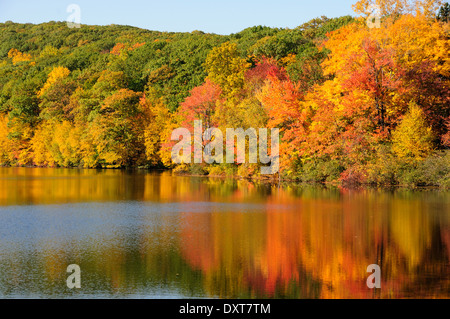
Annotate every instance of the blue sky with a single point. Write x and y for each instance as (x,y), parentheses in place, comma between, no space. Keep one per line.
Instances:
(216,16)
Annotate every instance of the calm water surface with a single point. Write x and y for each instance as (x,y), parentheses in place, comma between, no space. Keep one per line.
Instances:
(154,235)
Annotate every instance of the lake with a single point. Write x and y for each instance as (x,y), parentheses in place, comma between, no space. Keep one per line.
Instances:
(141,234)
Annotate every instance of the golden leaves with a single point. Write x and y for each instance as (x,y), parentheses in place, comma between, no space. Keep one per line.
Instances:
(226,68)
(56,74)
(413,138)
(18,56)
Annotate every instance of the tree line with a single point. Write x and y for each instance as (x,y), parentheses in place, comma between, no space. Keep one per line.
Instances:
(354,104)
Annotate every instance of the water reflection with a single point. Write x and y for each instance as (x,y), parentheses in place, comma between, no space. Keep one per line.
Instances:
(140,234)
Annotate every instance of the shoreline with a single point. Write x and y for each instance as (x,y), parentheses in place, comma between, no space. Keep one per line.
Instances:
(271,181)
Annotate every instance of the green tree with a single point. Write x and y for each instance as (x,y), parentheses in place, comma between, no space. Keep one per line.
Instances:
(444,13)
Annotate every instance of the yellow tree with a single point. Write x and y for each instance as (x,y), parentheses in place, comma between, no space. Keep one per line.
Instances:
(41,144)
(413,138)
(18,56)
(422,48)
(156,118)
(416,39)
(57,143)
(57,73)
(226,68)
(5,142)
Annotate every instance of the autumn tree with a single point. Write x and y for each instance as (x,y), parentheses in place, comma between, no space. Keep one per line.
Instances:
(374,71)
(256,76)
(394,66)
(18,56)
(281,99)
(413,138)
(56,74)
(226,68)
(201,104)
(6,155)
(157,126)
(57,143)
(120,139)
(56,94)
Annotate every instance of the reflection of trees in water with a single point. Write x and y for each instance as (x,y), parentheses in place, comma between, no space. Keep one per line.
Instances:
(147,262)
(21,185)
(321,248)
(299,241)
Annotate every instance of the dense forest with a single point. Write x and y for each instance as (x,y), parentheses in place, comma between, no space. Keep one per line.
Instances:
(355,104)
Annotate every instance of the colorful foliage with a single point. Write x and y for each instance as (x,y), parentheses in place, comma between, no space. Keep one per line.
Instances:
(347,98)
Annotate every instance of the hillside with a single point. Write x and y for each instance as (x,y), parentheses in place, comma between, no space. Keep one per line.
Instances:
(353,104)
